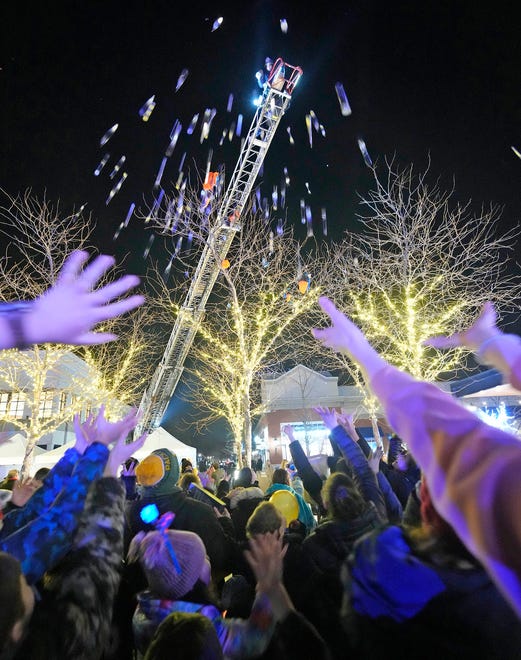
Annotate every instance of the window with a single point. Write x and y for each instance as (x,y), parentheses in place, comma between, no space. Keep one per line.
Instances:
(4,400)
(63,401)
(17,405)
(46,401)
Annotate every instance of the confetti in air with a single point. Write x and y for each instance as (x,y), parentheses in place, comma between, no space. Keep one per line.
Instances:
(193,123)
(174,136)
(106,137)
(159,176)
(302,212)
(284,25)
(286,176)
(230,103)
(307,188)
(238,130)
(324,221)
(217,23)
(517,153)
(315,121)
(322,130)
(147,108)
(365,153)
(291,140)
(182,77)
(310,132)
(117,166)
(147,249)
(116,188)
(345,108)
(102,164)
(129,214)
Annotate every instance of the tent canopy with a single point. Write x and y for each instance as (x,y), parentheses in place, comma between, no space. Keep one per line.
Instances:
(158,439)
(12,449)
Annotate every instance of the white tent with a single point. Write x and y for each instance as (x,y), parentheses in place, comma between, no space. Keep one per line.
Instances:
(158,439)
(12,451)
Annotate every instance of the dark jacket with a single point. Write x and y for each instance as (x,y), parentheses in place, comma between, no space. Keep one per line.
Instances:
(39,534)
(429,603)
(332,541)
(190,515)
(73,617)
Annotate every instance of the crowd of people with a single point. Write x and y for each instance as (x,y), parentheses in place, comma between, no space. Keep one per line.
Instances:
(414,551)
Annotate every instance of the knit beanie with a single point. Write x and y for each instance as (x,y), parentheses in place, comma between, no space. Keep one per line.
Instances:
(163,579)
(158,473)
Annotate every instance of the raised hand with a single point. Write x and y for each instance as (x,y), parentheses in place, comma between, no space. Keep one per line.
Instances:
(345,337)
(375,458)
(265,556)
(329,416)
(121,452)
(288,430)
(23,491)
(483,328)
(347,423)
(68,311)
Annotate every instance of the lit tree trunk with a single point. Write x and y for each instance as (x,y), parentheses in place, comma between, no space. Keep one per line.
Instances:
(247,430)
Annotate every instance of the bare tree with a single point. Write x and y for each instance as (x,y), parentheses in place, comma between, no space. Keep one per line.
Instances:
(421,265)
(249,322)
(45,386)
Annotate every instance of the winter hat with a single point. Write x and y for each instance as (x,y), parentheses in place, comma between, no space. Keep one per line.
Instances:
(153,554)
(158,472)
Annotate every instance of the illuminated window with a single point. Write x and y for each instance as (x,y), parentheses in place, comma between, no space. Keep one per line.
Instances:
(46,400)
(4,400)
(17,405)
(63,401)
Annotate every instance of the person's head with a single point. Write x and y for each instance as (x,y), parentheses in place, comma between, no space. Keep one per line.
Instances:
(280,476)
(41,474)
(16,602)
(265,518)
(244,478)
(223,488)
(190,635)
(154,555)
(186,466)
(188,478)
(215,465)
(158,473)
(342,498)
(13,475)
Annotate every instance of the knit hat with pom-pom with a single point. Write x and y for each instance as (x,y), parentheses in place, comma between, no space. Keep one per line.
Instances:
(153,554)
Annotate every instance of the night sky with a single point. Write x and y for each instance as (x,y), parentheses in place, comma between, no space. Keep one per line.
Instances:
(438,78)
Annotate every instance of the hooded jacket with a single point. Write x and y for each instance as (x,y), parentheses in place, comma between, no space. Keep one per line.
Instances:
(190,515)
(429,604)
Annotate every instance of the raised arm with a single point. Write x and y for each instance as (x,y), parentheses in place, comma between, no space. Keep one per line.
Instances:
(69,310)
(471,468)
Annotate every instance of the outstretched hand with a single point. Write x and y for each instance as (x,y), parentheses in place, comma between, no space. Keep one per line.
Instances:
(329,416)
(288,430)
(265,556)
(375,458)
(121,452)
(345,337)
(348,424)
(68,311)
(483,328)
(99,429)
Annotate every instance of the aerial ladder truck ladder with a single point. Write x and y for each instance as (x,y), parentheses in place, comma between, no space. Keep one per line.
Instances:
(275,100)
